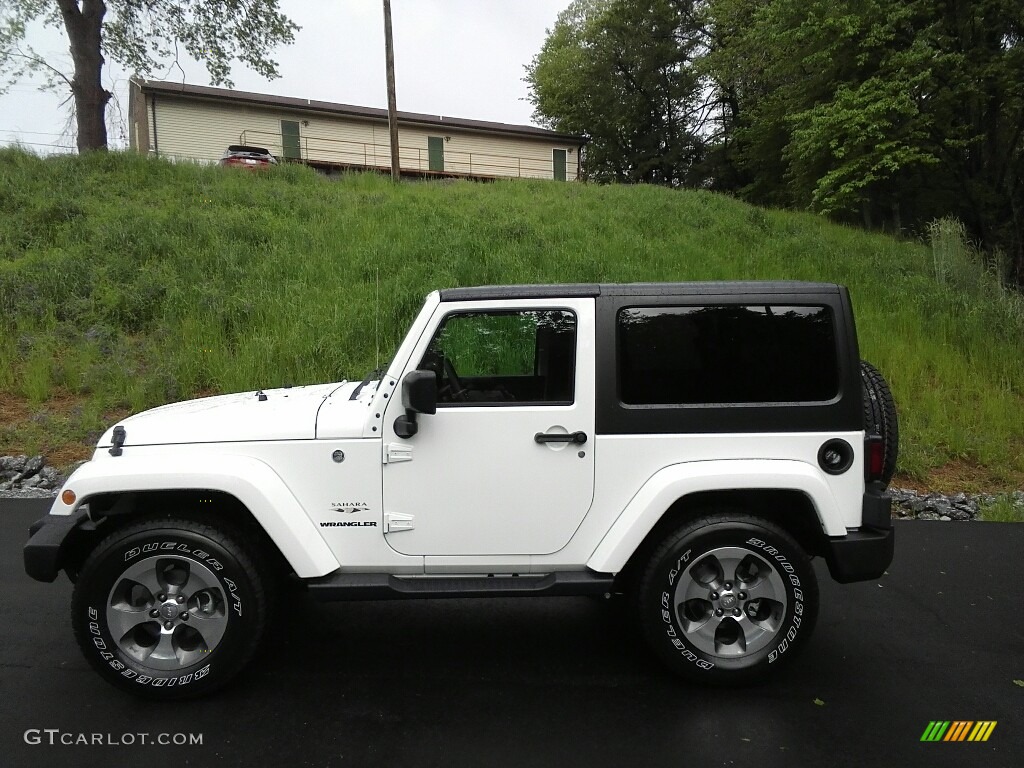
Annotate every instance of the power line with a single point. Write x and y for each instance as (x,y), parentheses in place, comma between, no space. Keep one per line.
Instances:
(36,144)
(27,89)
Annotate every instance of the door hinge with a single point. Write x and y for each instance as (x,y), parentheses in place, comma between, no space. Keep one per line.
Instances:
(396,521)
(396,452)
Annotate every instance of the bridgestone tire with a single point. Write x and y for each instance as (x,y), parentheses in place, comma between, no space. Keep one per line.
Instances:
(880,417)
(727,561)
(148,646)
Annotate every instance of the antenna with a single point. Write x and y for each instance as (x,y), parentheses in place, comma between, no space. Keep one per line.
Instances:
(376,320)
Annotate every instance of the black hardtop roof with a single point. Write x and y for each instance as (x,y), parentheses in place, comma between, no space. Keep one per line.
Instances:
(590,290)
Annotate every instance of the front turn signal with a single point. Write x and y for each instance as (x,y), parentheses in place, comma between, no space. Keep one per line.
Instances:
(68,497)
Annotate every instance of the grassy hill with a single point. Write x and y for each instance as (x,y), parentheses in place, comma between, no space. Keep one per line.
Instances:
(126,282)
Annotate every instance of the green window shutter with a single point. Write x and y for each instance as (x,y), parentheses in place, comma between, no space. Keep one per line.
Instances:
(290,140)
(558,159)
(435,153)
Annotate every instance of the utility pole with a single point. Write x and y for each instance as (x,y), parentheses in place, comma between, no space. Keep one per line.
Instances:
(389,53)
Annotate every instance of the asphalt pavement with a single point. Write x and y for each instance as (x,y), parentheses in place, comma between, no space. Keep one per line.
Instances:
(549,681)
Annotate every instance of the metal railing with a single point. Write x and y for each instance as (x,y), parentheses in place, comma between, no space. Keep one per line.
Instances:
(373,155)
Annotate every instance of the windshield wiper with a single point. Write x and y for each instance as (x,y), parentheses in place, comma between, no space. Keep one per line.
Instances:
(371,376)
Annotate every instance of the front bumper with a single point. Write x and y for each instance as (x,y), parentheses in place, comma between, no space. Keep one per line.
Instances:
(49,539)
(864,553)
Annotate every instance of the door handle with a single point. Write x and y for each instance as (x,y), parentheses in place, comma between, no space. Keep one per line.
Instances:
(557,437)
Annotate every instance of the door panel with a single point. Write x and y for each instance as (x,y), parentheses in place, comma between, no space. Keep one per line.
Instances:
(479,482)
(290,146)
(558,161)
(435,153)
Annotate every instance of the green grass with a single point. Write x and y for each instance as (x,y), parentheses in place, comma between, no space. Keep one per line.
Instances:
(128,282)
(1002,510)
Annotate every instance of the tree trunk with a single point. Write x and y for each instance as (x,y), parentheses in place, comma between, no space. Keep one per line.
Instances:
(865,210)
(1015,268)
(84,26)
(897,219)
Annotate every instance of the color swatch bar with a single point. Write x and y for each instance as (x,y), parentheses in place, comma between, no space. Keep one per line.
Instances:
(958,730)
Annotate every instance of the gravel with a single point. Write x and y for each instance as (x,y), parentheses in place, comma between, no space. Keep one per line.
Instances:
(909,504)
(29,477)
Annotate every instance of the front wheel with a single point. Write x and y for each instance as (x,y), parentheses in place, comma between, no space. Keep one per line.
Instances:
(727,598)
(169,608)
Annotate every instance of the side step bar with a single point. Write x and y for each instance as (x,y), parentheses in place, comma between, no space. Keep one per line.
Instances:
(384,586)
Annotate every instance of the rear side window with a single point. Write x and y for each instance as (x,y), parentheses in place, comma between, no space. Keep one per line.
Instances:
(727,354)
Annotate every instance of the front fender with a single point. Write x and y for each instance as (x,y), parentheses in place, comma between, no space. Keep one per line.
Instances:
(672,483)
(251,481)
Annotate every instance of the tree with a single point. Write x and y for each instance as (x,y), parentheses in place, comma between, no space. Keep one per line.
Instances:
(893,111)
(135,34)
(621,73)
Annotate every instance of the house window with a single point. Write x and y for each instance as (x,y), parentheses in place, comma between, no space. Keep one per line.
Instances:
(558,160)
(290,146)
(435,153)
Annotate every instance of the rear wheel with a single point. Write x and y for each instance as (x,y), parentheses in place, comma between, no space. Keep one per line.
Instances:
(727,598)
(169,608)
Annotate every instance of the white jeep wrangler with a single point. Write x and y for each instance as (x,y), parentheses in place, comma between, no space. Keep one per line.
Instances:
(690,445)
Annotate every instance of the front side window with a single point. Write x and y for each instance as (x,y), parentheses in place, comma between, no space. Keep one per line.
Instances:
(504,357)
(729,354)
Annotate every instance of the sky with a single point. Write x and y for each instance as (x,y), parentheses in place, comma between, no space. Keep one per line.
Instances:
(458,58)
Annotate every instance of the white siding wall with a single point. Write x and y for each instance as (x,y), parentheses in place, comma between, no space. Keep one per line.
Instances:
(479,154)
(202,130)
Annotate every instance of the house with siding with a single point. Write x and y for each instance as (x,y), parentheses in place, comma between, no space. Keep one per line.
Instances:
(192,122)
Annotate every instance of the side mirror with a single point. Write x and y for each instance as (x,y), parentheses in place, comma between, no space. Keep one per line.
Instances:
(419,392)
(419,395)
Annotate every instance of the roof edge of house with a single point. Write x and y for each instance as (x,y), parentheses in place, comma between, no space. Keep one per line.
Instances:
(160,87)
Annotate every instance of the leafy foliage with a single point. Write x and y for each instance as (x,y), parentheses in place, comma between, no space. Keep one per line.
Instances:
(622,74)
(889,112)
(140,35)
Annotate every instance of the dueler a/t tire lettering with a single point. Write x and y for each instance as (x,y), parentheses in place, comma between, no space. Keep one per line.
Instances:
(130,603)
(727,598)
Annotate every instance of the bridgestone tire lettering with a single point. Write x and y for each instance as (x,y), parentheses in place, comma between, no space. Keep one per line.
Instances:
(687,545)
(241,585)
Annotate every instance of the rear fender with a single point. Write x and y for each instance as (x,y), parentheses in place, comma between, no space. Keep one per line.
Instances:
(672,483)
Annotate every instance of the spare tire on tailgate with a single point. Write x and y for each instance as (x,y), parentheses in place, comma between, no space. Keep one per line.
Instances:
(880,416)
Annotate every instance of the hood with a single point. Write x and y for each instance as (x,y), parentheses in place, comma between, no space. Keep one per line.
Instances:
(272,414)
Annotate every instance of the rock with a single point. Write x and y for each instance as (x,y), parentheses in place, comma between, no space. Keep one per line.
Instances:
(32,466)
(945,518)
(15,463)
(31,482)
